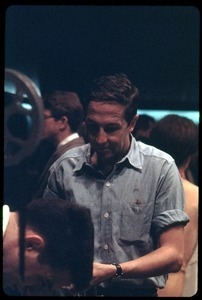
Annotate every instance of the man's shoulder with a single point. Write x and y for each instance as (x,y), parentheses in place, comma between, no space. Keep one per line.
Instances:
(149,150)
(73,153)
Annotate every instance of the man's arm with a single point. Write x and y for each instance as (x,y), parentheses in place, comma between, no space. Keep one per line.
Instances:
(167,258)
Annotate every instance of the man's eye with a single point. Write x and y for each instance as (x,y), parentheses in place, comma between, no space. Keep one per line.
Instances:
(92,128)
(111,129)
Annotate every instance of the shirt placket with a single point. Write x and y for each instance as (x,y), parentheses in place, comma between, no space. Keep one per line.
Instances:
(106,222)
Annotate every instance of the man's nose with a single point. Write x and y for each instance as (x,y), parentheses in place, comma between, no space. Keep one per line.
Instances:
(101,136)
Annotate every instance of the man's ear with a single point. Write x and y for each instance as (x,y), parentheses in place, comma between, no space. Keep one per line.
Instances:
(133,122)
(63,122)
(34,242)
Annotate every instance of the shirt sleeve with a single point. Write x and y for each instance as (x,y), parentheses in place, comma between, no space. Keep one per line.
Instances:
(169,218)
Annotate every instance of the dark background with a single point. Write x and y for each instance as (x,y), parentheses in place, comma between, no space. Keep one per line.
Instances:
(64,47)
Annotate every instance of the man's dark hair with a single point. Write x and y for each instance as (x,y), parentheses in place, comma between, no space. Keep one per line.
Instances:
(65,103)
(177,136)
(68,232)
(144,122)
(115,88)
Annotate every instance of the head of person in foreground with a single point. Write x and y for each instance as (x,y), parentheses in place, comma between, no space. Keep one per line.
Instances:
(58,246)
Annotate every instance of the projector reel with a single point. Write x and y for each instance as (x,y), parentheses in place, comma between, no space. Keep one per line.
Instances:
(23,117)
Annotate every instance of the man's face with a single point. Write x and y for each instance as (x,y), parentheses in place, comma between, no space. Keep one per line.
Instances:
(51,126)
(108,131)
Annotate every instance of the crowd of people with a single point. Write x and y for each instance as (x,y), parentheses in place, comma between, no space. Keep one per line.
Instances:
(115,199)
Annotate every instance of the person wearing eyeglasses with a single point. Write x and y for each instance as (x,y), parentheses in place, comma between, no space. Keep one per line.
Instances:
(63,117)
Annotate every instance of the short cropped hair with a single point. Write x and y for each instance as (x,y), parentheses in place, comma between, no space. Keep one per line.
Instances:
(144,122)
(65,103)
(176,135)
(68,232)
(115,88)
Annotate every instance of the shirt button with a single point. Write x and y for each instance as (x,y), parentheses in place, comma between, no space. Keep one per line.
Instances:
(106,247)
(106,215)
(108,183)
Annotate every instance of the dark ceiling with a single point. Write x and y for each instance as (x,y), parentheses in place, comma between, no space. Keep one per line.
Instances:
(63,47)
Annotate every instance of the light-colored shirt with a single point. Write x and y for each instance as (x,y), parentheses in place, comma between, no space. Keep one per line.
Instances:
(68,139)
(6,216)
(141,197)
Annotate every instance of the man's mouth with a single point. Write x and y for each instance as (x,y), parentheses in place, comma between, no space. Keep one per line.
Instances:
(103,150)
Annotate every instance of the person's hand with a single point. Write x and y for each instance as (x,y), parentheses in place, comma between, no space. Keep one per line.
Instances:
(102,272)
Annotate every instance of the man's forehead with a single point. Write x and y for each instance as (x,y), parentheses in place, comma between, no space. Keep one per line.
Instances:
(105,109)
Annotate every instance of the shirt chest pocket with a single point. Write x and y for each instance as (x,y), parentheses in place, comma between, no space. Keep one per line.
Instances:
(135,223)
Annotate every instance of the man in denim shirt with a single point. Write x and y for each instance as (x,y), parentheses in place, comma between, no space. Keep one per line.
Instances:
(133,190)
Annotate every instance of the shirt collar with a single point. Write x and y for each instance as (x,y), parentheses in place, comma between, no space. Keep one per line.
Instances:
(85,159)
(68,139)
(133,157)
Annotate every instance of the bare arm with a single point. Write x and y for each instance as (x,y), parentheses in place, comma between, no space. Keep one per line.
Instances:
(175,283)
(167,258)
